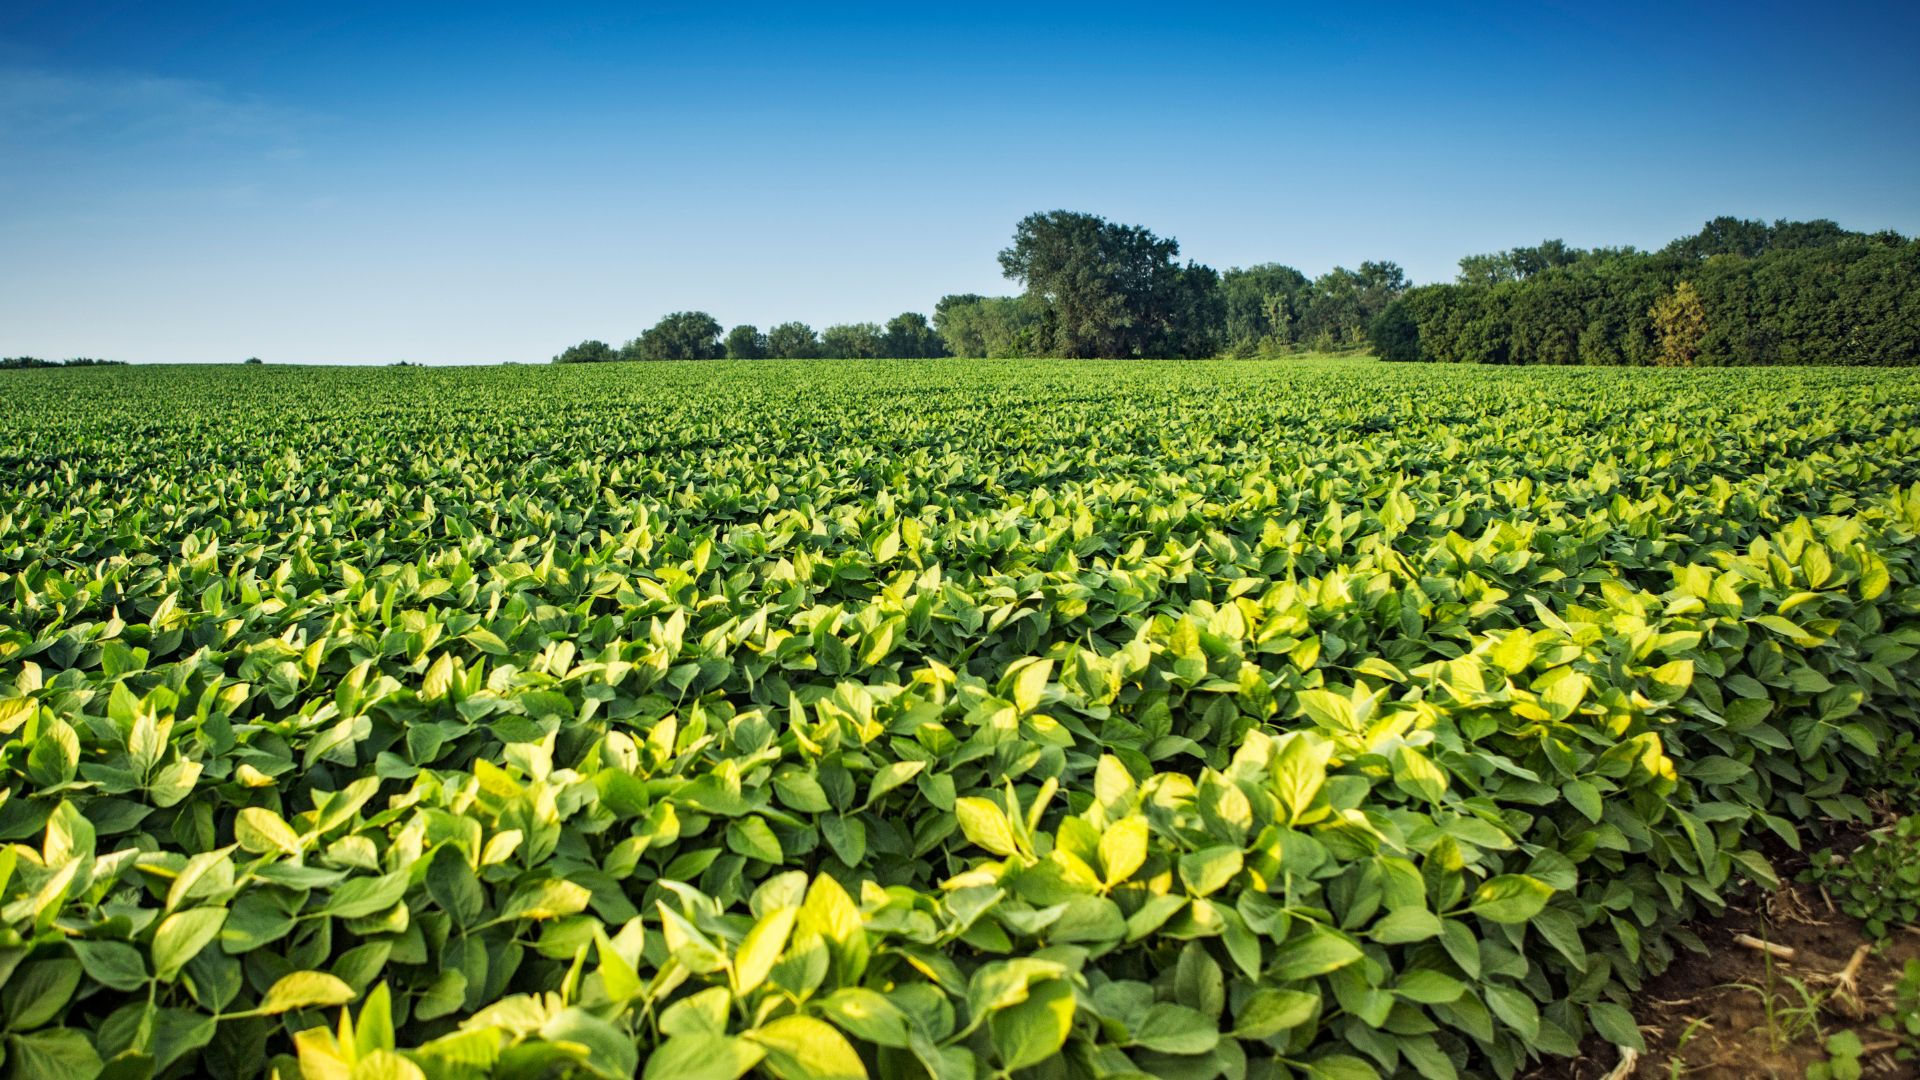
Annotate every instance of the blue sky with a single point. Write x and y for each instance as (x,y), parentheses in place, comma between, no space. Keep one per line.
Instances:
(483,182)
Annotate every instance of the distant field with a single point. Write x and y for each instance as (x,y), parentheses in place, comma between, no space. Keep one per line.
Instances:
(1317,718)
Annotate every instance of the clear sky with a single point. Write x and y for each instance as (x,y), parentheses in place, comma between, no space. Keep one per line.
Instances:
(472,182)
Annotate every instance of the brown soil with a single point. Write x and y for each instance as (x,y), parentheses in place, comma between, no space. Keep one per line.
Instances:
(1708,1013)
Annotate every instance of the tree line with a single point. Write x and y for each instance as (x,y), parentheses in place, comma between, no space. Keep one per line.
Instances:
(1091,288)
(7,362)
(696,335)
(1739,292)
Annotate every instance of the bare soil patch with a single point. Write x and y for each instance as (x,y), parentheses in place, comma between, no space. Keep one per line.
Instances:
(1745,1012)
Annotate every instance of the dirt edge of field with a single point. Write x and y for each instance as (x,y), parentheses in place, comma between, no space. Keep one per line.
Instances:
(1708,1018)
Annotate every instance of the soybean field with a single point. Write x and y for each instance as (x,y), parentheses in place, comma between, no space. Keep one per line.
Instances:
(949,719)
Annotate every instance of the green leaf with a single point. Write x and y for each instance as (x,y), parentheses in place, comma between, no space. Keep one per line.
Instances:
(1299,770)
(447,993)
(261,831)
(847,836)
(1176,1029)
(1783,626)
(1510,898)
(1584,797)
(259,917)
(1326,708)
(1514,652)
(362,896)
(38,992)
(1001,983)
(606,1050)
(1207,870)
(869,1015)
(1030,1031)
(54,1054)
(1514,1008)
(55,755)
(752,837)
(1615,1024)
(803,1048)
(304,990)
(1403,926)
(800,791)
(452,885)
(112,963)
(1123,849)
(891,776)
(831,914)
(1559,929)
(1198,982)
(1417,775)
(438,680)
(181,936)
(1340,1067)
(177,1033)
(761,948)
(1028,679)
(985,823)
(1312,951)
(702,1057)
(1268,1012)
(1429,987)
(551,898)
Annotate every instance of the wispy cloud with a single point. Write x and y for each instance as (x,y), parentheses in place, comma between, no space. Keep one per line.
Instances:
(40,110)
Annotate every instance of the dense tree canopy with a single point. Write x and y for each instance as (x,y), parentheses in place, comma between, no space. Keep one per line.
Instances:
(36,362)
(909,337)
(1261,308)
(1737,292)
(793,341)
(852,341)
(1111,290)
(997,326)
(746,342)
(587,352)
(683,335)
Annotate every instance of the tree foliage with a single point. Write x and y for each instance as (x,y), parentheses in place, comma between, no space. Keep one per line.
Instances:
(1737,292)
(16,362)
(1785,293)
(746,342)
(852,341)
(1681,323)
(683,335)
(1110,290)
(908,336)
(793,341)
(989,326)
(587,352)
(1394,333)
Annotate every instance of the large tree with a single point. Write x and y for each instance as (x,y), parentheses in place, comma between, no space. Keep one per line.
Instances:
(1261,308)
(998,326)
(1106,289)
(1681,321)
(683,335)
(1394,334)
(793,341)
(909,337)
(746,342)
(587,352)
(852,341)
